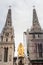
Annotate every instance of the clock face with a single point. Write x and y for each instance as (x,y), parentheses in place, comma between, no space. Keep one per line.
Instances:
(7,34)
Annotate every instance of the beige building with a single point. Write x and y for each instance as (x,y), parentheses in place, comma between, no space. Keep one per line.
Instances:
(35,42)
(7,42)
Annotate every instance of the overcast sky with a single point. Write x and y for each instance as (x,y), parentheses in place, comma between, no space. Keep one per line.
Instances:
(21,15)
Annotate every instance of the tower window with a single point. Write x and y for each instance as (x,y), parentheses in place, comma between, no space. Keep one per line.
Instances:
(6,39)
(7,34)
(11,37)
(38,36)
(9,23)
(0,57)
(27,52)
(36,47)
(40,50)
(33,35)
(1,38)
(5,54)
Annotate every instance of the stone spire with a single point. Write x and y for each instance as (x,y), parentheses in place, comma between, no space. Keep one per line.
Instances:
(36,26)
(8,31)
(8,19)
(8,23)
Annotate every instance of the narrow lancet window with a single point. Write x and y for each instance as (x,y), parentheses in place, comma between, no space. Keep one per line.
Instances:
(5,54)
(40,50)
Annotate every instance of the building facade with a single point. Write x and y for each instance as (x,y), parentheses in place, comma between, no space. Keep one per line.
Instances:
(7,42)
(35,42)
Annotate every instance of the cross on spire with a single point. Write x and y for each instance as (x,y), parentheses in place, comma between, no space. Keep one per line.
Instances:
(9,6)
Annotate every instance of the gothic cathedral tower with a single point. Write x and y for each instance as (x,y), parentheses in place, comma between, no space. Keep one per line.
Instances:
(7,42)
(34,39)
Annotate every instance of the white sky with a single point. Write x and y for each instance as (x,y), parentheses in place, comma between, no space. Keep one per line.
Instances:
(21,16)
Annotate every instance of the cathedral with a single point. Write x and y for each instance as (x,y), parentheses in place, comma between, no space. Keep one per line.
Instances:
(33,43)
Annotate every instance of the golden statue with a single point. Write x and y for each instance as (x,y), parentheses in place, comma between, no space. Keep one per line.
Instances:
(20,50)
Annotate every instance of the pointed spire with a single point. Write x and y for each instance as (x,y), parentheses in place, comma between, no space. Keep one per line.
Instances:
(36,26)
(8,23)
(8,31)
(35,18)
(8,19)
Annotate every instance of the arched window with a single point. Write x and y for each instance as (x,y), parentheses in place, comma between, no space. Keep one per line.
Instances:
(5,54)
(40,50)
(1,38)
(6,39)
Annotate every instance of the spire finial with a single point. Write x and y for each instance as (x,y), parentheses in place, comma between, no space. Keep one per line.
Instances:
(9,6)
(33,6)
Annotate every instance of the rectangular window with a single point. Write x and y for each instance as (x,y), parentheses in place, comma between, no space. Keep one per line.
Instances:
(40,50)
(6,39)
(27,52)
(33,35)
(1,38)
(0,57)
(5,54)
(38,36)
